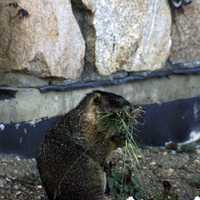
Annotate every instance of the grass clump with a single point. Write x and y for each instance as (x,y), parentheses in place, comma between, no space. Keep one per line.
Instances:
(123,185)
(123,179)
(123,123)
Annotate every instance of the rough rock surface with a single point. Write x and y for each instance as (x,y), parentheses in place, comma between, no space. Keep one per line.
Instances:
(185,37)
(131,35)
(40,37)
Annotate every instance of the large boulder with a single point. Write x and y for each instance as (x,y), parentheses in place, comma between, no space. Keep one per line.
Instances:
(185,34)
(130,35)
(41,38)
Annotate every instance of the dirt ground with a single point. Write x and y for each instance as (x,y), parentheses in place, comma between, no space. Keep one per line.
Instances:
(19,178)
(163,174)
(181,170)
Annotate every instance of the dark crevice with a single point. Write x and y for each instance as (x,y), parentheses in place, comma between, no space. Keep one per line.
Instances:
(7,93)
(84,17)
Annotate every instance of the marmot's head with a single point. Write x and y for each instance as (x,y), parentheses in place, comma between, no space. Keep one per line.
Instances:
(99,120)
(106,101)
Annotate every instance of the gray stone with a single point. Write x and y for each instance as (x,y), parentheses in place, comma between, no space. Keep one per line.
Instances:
(130,35)
(21,80)
(47,42)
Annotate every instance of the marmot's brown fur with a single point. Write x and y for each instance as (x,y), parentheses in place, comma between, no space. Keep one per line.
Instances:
(73,153)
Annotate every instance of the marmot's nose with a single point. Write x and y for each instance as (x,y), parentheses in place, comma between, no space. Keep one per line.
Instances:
(128,108)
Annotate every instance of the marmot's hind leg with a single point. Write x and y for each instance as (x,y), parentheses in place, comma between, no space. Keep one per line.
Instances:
(85,181)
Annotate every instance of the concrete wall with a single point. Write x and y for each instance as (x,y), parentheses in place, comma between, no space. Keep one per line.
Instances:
(32,105)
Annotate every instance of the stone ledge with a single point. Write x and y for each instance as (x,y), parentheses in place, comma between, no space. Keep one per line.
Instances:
(31,105)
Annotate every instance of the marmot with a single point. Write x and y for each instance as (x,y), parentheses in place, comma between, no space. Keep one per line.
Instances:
(73,154)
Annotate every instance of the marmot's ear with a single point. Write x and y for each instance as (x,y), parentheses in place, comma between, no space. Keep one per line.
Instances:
(97,99)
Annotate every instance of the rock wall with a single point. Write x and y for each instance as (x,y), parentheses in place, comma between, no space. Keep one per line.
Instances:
(43,38)
(129,35)
(49,42)
(78,39)
(71,40)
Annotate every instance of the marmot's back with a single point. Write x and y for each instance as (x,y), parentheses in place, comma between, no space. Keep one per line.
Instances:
(73,153)
(69,173)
